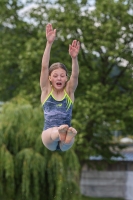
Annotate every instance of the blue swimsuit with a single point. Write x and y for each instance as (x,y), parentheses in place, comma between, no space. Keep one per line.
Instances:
(57,113)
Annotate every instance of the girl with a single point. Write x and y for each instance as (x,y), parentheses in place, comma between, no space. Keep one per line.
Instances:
(57,96)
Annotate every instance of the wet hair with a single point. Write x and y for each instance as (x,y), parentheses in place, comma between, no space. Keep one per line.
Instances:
(57,66)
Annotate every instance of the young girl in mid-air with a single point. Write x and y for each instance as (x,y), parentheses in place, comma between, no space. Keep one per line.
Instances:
(57,96)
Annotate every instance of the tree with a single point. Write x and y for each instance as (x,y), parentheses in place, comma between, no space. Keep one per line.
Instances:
(27,169)
(107,101)
(14,33)
(104,95)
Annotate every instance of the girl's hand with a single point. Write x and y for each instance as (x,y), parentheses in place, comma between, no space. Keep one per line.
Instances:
(74,48)
(50,33)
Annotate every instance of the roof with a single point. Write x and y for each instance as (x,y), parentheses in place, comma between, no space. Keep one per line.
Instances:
(127,156)
(126,140)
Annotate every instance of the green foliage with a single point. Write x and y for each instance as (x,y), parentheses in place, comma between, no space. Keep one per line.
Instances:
(103,102)
(27,169)
(6,173)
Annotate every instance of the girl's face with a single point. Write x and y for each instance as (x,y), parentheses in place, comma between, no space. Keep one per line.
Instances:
(58,78)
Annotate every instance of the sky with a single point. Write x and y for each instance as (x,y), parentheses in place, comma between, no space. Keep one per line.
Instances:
(28,6)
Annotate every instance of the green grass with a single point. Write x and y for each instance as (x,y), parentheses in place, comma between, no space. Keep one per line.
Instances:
(96,198)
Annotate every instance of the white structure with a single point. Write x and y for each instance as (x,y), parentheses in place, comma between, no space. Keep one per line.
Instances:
(107,184)
(126,140)
(115,180)
(129,186)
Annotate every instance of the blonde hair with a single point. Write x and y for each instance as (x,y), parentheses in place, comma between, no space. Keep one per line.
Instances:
(57,66)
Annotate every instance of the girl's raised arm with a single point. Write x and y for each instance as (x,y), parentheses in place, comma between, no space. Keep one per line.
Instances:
(73,51)
(50,36)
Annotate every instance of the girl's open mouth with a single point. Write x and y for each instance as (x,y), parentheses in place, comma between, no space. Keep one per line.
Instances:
(59,84)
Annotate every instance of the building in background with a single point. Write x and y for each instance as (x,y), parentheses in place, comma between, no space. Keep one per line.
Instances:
(113,179)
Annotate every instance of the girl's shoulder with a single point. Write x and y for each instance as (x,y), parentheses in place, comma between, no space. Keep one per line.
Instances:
(45,93)
(69,93)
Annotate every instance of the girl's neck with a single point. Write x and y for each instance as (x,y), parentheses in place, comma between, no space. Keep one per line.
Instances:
(58,94)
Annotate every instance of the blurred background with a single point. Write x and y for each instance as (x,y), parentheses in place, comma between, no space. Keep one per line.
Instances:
(100,164)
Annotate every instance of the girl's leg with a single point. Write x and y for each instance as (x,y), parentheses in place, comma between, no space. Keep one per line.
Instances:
(67,144)
(71,132)
(49,141)
(63,132)
(51,136)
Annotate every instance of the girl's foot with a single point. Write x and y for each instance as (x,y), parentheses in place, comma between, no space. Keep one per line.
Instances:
(63,132)
(71,132)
